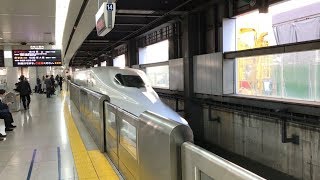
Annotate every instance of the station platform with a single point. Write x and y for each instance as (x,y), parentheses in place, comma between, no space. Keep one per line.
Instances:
(79,134)
(50,142)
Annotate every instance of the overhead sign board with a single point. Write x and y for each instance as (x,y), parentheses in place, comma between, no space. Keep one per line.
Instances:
(36,47)
(105,18)
(36,58)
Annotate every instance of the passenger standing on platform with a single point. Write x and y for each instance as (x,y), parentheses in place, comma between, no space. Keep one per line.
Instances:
(6,115)
(52,84)
(48,84)
(38,90)
(25,90)
(60,82)
(57,78)
(43,80)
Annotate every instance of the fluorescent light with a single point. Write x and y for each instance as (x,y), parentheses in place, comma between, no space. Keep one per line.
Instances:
(290,5)
(1,38)
(281,7)
(62,7)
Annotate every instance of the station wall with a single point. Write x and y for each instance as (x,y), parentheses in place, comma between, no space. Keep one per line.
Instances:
(176,74)
(259,139)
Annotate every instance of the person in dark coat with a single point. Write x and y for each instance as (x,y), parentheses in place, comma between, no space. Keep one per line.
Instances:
(6,115)
(48,84)
(38,85)
(52,84)
(57,78)
(25,90)
(60,82)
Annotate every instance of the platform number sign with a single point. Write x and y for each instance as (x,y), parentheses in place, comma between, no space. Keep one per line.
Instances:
(110,7)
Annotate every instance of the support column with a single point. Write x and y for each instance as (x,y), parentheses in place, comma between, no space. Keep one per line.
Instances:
(190,47)
(89,64)
(12,72)
(100,59)
(175,42)
(109,60)
(201,33)
(42,71)
(172,45)
(32,76)
(132,54)
(92,63)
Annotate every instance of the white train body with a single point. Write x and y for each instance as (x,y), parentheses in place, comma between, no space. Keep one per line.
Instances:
(127,88)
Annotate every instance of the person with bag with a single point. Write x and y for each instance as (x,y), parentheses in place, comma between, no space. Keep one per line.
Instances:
(25,91)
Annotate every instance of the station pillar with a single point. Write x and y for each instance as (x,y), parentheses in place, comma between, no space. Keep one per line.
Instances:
(190,48)
(109,60)
(100,59)
(132,54)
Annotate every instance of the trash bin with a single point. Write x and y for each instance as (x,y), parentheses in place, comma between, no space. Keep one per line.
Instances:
(13,101)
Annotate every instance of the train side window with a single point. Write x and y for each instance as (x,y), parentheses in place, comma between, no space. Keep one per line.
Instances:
(129,81)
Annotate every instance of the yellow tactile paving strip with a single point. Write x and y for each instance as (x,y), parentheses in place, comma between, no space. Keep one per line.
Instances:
(102,166)
(89,164)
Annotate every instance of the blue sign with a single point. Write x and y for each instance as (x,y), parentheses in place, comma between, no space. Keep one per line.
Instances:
(110,7)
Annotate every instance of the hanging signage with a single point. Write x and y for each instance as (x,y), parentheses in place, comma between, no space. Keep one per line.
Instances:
(36,47)
(105,18)
(36,58)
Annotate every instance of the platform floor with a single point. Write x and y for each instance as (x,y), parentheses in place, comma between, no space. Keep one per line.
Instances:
(50,142)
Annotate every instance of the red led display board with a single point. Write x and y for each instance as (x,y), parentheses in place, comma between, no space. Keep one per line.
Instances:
(36,58)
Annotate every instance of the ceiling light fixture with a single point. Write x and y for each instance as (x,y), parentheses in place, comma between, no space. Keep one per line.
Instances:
(290,5)
(62,7)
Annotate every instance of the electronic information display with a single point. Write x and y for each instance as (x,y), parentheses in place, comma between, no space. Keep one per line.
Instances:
(36,58)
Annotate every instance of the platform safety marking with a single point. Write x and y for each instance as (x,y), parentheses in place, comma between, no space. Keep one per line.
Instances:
(31,164)
(89,164)
(102,166)
(59,162)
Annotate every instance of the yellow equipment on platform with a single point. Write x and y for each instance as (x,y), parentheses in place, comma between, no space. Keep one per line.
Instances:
(252,71)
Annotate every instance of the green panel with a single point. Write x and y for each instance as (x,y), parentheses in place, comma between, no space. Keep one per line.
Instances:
(296,79)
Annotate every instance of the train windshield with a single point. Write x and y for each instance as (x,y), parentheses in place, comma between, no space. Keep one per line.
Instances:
(129,80)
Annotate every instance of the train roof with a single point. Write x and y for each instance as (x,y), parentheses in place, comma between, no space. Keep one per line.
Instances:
(114,70)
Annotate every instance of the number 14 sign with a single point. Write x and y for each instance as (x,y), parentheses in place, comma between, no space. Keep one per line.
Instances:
(109,7)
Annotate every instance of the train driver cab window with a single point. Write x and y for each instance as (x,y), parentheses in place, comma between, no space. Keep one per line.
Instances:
(129,81)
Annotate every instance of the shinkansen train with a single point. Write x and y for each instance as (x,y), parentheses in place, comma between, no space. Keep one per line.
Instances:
(127,88)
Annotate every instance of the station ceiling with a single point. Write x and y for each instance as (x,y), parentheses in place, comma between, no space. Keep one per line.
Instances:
(30,21)
(131,17)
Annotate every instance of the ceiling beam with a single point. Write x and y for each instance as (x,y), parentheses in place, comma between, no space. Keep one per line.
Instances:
(85,51)
(98,41)
(138,15)
(130,24)
(146,7)
(118,31)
